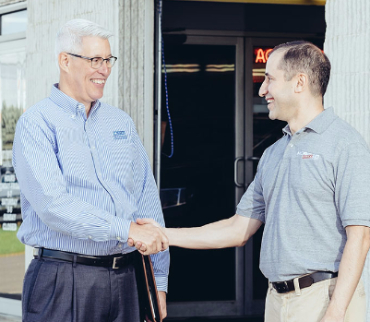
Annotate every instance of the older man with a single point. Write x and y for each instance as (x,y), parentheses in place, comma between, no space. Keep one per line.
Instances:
(311,192)
(85,178)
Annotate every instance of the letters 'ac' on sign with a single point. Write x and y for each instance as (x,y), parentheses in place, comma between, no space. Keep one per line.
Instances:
(261,55)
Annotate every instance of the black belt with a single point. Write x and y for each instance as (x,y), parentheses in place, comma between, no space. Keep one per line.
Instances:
(113,261)
(304,281)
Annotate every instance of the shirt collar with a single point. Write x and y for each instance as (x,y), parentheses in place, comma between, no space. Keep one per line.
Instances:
(322,121)
(319,124)
(66,102)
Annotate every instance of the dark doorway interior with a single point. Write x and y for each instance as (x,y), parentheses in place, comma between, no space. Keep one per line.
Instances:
(197,182)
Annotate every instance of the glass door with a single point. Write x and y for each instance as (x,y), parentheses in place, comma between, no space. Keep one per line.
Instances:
(200,181)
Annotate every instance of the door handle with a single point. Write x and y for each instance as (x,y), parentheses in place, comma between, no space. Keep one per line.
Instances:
(253,159)
(240,185)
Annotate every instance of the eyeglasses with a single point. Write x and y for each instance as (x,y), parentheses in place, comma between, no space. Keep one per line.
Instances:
(97,62)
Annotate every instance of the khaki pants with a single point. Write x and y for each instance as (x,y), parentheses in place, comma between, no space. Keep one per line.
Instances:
(311,304)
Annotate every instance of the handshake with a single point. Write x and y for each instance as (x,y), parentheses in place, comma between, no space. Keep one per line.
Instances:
(147,236)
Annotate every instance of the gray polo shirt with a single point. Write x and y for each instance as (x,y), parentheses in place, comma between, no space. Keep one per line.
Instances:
(308,187)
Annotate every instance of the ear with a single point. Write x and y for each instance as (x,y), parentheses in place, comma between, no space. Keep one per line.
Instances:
(64,61)
(301,83)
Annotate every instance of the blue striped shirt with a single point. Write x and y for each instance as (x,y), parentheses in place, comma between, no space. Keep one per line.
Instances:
(83,180)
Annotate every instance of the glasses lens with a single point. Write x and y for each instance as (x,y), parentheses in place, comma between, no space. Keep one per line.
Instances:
(96,62)
(111,61)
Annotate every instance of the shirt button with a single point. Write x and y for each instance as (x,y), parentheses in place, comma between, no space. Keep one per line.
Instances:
(120,246)
(118,238)
(90,237)
(291,145)
(73,116)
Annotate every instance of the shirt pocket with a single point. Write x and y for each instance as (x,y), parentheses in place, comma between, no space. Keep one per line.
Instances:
(122,158)
(74,155)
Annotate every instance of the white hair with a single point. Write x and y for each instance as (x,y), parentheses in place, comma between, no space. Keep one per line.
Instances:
(69,37)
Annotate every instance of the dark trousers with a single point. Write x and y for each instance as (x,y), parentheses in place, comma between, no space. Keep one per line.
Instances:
(57,291)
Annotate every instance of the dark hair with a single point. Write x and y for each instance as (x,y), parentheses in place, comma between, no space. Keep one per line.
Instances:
(303,56)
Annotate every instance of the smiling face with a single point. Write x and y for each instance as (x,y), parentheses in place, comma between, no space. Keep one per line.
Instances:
(278,92)
(84,83)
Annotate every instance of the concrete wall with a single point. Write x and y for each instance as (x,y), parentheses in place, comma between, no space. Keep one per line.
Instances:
(130,85)
(347,45)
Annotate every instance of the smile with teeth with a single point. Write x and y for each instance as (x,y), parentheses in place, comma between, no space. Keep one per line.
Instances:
(269,100)
(98,81)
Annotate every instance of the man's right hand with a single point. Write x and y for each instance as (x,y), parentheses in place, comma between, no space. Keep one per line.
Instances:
(150,236)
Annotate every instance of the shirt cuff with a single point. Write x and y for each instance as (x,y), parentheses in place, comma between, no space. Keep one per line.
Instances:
(161,282)
(355,222)
(120,229)
(249,214)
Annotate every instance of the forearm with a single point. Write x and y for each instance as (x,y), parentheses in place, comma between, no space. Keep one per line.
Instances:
(70,215)
(350,269)
(231,232)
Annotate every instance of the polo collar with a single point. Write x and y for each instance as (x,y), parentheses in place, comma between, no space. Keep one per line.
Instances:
(322,121)
(319,124)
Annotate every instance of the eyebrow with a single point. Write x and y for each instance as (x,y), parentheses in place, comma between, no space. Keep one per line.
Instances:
(269,75)
(110,55)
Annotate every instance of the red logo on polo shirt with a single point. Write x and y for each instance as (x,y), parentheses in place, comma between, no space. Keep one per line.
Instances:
(308,155)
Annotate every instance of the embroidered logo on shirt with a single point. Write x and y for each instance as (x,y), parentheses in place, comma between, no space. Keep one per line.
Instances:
(308,155)
(119,135)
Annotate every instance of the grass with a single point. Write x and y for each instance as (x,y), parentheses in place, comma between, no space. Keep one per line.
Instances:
(9,243)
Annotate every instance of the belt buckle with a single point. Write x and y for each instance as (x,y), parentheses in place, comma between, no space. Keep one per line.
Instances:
(282,287)
(114,266)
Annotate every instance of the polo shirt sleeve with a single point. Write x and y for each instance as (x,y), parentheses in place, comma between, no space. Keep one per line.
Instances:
(252,203)
(352,178)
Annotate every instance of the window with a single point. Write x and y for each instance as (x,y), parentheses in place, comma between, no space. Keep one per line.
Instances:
(13,22)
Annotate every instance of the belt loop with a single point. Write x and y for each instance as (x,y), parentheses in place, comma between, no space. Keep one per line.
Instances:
(270,287)
(74,261)
(40,251)
(296,286)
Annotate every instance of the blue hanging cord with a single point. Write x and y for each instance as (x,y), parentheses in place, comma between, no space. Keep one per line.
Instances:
(166,87)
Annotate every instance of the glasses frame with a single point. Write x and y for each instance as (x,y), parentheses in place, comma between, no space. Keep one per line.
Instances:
(107,60)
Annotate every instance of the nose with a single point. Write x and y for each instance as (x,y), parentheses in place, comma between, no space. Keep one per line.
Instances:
(263,89)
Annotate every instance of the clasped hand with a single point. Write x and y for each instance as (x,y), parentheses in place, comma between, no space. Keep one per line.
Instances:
(147,236)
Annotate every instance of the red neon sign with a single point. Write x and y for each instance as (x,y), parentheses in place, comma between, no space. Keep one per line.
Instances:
(261,55)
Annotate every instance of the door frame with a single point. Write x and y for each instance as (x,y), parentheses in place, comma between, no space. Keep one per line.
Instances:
(235,307)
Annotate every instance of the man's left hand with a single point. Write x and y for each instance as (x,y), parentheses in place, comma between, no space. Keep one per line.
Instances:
(162,304)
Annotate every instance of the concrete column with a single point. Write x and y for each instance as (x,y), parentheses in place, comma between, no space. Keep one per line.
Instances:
(130,85)
(347,45)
